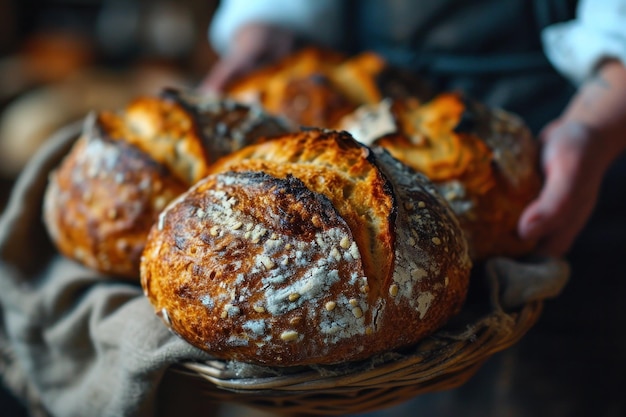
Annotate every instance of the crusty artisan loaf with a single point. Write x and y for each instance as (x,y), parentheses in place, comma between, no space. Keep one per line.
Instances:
(483,160)
(306,249)
(316,87)
(126,166)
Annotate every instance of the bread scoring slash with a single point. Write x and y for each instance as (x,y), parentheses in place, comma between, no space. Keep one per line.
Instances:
(307,249)
(484,161)
(127,165)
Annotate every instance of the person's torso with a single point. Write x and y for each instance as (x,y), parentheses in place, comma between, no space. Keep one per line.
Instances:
(490,49)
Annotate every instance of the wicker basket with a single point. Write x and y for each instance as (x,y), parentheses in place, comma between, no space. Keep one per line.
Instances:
(443,361)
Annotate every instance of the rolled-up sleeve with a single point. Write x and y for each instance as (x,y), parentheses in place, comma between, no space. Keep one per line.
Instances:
(318,20)
(599,31)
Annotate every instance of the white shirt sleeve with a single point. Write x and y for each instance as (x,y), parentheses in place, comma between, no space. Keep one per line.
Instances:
(599,31)
(318,20)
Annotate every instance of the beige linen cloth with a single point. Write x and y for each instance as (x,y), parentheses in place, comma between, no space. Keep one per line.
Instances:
(76,343)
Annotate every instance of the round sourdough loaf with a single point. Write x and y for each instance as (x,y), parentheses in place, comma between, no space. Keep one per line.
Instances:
(126,166)
(307,249)
(484,162)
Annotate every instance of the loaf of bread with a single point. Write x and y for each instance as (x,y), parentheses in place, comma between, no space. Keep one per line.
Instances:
(127,165)
(484,161)
(307,249)
(316,88)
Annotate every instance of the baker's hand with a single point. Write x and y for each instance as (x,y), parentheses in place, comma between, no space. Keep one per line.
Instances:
(254,45)
(577,150)
(570,191)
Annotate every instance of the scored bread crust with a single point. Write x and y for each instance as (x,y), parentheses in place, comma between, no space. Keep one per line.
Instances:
(101,202)
(307,249)
(483,160)
(127,165)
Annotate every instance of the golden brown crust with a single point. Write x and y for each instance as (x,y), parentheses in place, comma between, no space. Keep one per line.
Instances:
(484,161)
(102,201)
(316,88)
(306,249)
(128,165)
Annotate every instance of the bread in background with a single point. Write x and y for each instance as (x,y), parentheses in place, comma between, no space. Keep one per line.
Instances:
(483,160)
(316,87)
(127,165)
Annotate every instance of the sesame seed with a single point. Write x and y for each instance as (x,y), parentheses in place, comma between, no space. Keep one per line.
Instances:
(418,273)
(421,204)
(409,205)
(294,296)
(368,330)
(393,290)
(353,302)
(237,225)
(330,305)
(289,335)
(258,308)
(345,242)
(358,313)
(266,262)
(213,231)
(412,241)
(436,240)
(365,289)
(295,320)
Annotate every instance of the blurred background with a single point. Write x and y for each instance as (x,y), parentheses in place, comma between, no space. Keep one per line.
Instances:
(59,59)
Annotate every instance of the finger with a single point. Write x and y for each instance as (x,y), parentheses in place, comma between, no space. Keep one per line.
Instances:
(557,214)
(221,74)
(565,203)
(550,220)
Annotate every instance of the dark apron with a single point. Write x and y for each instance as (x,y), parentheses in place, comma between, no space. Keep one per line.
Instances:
(489,49)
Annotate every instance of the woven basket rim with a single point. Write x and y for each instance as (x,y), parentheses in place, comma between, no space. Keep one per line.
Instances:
(442,361)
